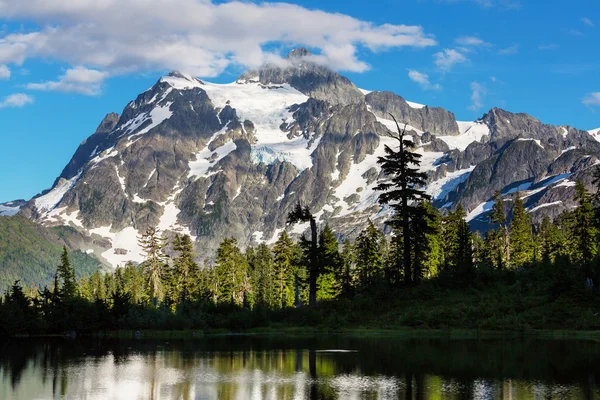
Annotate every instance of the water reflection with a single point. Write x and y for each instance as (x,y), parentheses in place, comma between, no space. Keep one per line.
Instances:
(299,368)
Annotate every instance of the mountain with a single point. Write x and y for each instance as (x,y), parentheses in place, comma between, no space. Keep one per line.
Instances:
(218,160)
(11,208)
(30,252)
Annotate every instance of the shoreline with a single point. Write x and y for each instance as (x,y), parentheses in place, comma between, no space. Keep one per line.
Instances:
(401,333)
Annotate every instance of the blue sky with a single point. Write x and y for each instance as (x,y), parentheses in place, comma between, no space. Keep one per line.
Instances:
(64,66)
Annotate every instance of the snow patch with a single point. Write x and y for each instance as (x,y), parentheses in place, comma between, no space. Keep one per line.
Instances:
(415,105)
(480,209)
(440,188)
(127,240)
(206,158)
(556,203)
(469,132)
(8,211)
(568,149)
(267,107)
(537,141)
(51,199)
(566,184)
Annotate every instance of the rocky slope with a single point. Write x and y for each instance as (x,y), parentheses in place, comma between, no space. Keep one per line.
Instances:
(216,160)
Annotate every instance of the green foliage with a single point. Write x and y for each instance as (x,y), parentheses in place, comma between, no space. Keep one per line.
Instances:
(30,253)
(400,187)
(521,236)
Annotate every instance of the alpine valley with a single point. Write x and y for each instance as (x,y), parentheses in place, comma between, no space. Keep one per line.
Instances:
(232,160)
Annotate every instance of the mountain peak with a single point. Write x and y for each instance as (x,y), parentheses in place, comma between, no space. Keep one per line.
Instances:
(298,52)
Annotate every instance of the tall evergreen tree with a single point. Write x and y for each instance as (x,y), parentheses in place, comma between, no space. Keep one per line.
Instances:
(348,267)
(300,214)
(585,230)
(427,247)
(285,254)
(369,255)
(499,240)
(185,268)
(400,191)
(155,260)
(66,276)
(263,270)
(231,273)
(331,268)
(549,241)
(458,245)
(521,235)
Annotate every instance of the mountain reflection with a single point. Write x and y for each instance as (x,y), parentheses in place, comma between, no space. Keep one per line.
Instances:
(298,368)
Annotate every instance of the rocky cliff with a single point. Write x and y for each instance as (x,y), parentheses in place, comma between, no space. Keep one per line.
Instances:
(215,160)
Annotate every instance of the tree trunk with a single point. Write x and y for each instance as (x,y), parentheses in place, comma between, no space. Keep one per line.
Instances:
(314,265)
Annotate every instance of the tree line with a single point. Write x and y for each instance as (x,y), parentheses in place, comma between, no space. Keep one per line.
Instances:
(171,289)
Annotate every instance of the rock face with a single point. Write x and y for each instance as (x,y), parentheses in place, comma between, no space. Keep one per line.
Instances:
(429,119)
(215,161)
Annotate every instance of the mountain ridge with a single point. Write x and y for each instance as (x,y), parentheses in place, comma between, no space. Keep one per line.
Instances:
(215,160)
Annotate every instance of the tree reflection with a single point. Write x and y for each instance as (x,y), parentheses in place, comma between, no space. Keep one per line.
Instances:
(284,368)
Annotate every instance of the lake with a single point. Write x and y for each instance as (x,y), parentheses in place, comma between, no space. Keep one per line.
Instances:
(288,367)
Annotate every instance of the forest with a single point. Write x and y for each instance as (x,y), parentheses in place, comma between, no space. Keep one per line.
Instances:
(430,272)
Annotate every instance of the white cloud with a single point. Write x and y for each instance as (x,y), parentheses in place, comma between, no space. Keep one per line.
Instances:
(592,99)
(423,80)
(473,41)
(195,36)
(549,46)
(446,59)
(478,92)
(16,100)
(4,72)
(513,49)
(587,21)
(76,80)
(493,79)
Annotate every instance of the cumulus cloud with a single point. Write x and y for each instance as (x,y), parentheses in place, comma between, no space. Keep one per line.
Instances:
(587,21)
(76,80)
(473,41)
(197,36)
(423,80)
(592,99)
(4,72)
(16,100)
(478,92)
(448,58)
(513,49)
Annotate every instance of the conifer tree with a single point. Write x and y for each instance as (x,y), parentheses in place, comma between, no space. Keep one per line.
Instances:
(329,284)
(585,230)
(348,266)
(232,273)
(499,240)
(549,241)
(185,269)
(521,236)
(400,191)
(263,268)
(66,276)
(369,251)
(155,261)
(458,245)
(300,214)
(427,248)
(285,259)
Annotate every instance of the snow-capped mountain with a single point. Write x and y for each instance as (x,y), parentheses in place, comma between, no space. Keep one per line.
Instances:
(11,208)
(217,160)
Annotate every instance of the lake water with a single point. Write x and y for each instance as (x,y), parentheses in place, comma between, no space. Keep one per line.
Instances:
(284,367)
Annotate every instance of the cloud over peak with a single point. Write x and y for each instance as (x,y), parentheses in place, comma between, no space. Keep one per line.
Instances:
(423,80)
(200,37)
